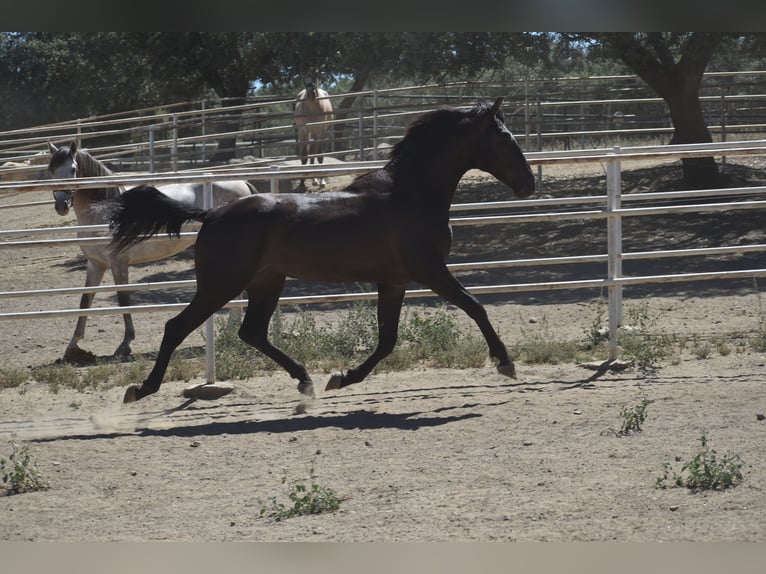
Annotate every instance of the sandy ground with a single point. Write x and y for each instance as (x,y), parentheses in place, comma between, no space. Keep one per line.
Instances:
(424,454)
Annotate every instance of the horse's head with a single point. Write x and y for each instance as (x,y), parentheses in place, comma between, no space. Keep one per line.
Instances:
(311,90)
(499,154)
(63,165)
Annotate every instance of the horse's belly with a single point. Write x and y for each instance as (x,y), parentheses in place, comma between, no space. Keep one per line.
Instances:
(154,250)
(325,263)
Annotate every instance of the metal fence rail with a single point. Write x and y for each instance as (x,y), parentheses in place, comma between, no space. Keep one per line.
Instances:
(606,207)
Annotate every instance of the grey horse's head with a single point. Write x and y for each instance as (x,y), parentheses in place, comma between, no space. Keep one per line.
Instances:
(63,165)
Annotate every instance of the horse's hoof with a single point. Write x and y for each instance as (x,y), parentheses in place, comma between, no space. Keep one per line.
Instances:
(337,381)
(130,395)
(123,352)
(306,388)
(79,357)
(507,370)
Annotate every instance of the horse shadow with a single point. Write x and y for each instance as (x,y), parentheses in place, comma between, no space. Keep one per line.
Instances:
(359,418)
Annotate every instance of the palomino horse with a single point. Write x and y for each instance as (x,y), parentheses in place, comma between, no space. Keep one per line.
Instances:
(312,105)
(389,227)
(68,162)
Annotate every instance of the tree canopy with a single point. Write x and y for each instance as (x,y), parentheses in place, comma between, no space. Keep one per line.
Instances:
(47,77)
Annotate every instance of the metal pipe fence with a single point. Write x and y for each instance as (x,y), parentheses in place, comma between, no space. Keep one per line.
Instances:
(609,207)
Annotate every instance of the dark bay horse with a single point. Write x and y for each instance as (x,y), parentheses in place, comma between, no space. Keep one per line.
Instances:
(389,227)
(69,161)
(312,105)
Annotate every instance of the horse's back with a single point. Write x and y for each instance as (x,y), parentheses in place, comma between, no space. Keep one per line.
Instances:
(335,236)
(192,193)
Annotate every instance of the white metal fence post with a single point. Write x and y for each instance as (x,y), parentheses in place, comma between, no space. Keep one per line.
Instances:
(207,203)
(174,148)
(614,253)
(274,180)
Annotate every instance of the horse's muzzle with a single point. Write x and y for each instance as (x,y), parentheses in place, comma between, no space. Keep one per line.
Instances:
(63,201)
(62,207)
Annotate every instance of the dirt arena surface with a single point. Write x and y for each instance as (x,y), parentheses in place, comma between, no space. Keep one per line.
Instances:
(419,455)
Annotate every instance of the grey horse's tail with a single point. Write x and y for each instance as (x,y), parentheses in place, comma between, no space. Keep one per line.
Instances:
(144,211)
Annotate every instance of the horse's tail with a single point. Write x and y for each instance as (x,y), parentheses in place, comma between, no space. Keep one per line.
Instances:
(144,211)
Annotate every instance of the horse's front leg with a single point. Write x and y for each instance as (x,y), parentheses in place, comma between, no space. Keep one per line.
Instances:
(318,150)
(390,298)
(121,277)
(73,353)
(441,282)
(303,154)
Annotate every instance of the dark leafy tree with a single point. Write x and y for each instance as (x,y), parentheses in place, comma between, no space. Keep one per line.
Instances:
(672,64)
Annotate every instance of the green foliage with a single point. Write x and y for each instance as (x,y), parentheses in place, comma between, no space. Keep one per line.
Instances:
(432,336)
(57,376)
(705,471)
(20,472)
(640,342)
(633,417)
(303,500)
(13,377)
(541,346)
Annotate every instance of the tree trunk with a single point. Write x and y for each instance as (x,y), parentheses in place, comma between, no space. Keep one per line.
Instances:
(690,127)
(676,82)
(228,122)
(341,130)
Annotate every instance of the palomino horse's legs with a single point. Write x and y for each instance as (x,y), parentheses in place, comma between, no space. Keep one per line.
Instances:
(120,274)
(390,298)
(263,298)
(319,181)
(317,152)
(445,285)
(73,353)
(303,151)
(310,147)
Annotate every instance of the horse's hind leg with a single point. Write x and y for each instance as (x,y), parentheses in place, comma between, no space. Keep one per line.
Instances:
(263,298)
(120,274)
(203,305)
(390,298)
(73,353)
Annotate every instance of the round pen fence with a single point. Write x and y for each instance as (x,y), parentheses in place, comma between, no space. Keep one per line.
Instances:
(612,207)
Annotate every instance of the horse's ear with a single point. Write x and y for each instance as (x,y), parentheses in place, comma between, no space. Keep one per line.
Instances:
(73,148)
(52,148)
(496,106)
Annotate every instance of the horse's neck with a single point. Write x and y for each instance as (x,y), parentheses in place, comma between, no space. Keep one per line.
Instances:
(85,198)
(430,182)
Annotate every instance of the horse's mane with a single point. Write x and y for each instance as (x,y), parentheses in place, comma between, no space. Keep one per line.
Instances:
(431,128)
(90,166)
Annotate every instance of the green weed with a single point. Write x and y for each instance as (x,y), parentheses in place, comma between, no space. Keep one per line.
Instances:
(20,472)
(541,346)
(705,471)
(13,377)
(303,499)
(57,376)
(633,418)
(640,343)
